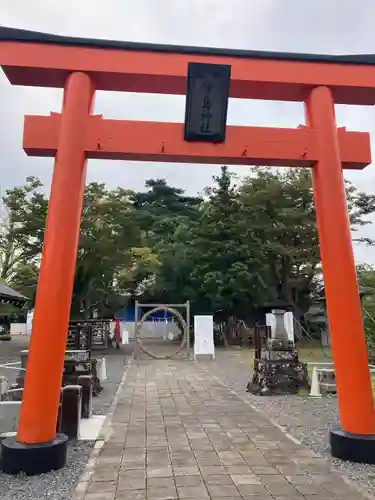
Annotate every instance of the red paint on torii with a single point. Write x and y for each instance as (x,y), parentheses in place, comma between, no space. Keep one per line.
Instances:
(83,66)
(161,69)
(125,140)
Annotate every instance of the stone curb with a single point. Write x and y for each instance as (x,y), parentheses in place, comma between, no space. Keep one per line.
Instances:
(80,490)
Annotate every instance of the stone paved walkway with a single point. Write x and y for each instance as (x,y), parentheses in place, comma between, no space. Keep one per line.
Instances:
(177,433)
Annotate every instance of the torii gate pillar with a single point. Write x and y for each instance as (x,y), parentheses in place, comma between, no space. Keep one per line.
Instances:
(340,281)
(41,394)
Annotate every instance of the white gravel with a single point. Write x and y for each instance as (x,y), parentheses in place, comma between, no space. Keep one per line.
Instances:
(57,485)
(307,419)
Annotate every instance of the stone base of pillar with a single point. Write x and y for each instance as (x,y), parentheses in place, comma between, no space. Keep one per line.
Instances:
(278,370)
(33,459)
(358,448)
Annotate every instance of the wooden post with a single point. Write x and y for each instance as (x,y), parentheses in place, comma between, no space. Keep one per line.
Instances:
(52,308)
(188,327)
(353,381)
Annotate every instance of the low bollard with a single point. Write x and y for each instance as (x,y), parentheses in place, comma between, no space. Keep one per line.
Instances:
(103,371)
(71,410)
(86,382)
(3,385)
(59,415)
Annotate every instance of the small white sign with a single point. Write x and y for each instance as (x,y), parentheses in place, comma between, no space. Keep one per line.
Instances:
(204,336)
(29,321)
(125,337)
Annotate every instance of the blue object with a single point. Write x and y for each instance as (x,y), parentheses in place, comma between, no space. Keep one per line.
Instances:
(128,314)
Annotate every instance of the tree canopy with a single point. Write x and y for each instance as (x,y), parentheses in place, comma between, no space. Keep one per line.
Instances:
(242,245)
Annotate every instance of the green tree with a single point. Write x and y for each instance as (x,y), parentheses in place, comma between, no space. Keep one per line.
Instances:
(157,209)
(241,247)
(22,228)
(366,280)
(227,255)
(165,216)
(286,226)
(108,235)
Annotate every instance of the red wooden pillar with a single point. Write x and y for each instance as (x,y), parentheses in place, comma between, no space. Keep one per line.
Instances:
(117,332)
(353,381)
(41,396)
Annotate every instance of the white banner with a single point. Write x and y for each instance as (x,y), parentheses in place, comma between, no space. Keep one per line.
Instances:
(289,325)
(204,336)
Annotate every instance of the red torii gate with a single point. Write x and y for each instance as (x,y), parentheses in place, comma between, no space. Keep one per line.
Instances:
(81,66)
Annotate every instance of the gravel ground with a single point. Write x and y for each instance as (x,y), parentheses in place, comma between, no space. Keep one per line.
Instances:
(307,419)
(58,485)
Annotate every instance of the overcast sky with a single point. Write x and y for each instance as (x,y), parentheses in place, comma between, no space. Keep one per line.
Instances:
(322,26)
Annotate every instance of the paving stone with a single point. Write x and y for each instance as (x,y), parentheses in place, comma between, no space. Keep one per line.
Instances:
(213,469)
(223,490)
(102,487)
(132,474)
(131,466)
(160,482)
(294,497)
(198,492)
(100,496)
(189,480)
(134,455)
(238,469)
(252,489)
(104,475)
(125,483)
(230,458)
(274,479)
(290,469)
(300,479)
(159,472)
(218,479)
(245,479)
(185,471)
(204,462)
(130,495)
(281,489)
(324,497)
(109,452)
(264,469)
(184,462)
(105,461)
(310,489)
(161,494)
(107,466)
(265,496)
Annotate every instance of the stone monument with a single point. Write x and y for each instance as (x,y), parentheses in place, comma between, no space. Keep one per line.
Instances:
(277,369)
